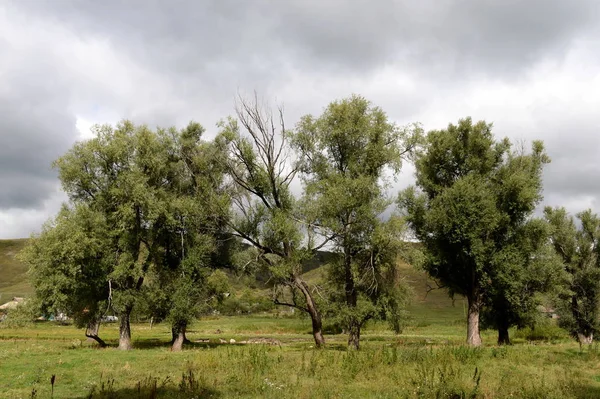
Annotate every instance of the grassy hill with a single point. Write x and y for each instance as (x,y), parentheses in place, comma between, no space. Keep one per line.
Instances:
(428,307)
(13,274)
(433,307)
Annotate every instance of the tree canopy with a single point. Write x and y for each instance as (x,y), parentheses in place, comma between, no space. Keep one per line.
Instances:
(475,196)
(151,190)
(579,249)
(346,156)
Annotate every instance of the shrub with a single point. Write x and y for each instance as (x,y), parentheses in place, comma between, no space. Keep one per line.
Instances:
(24,314)
(544,330)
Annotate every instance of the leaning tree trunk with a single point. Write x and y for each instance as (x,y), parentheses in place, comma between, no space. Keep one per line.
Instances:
(473,335)
(317,324)
(125,330)
(179,337)
(92,330)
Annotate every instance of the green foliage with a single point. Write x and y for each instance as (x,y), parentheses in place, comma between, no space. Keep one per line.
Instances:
(345,156)
(124,174)
(579,248)
(544,330)
(22,316)
(144,226)
(246,302)
(69,264)
(471,213)
(527,270)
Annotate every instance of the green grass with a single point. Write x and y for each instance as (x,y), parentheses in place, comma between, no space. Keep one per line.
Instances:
(412,365)
(428,360)
(13,277)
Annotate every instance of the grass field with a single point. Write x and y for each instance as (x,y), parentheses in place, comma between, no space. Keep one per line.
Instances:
(425,361)
(428,360)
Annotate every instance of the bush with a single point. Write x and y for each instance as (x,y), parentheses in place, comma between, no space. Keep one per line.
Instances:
(24,314)
(544,330)
(247,302)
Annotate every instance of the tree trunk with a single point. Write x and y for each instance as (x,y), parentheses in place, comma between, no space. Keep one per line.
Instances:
(473,336)
(179,338)
(354,335)
(503,337)
(317,324)
(92,330)
(585,339)
(125,330)
(351,302)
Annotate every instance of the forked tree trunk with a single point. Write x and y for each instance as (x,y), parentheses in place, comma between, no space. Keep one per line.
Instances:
(473,335)
(585,339)
(92,330)
(125,330)
(175,335)
(354,335)
(179,338)
(317,324)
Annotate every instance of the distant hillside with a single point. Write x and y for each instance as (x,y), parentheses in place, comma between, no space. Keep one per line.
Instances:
(13,274)
(427,306)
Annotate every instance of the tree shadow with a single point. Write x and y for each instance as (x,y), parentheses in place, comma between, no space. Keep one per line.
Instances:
(190,386)
(586,391)
(158,343)
(164,392)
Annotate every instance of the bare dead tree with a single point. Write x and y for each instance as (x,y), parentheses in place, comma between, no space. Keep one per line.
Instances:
(261,169)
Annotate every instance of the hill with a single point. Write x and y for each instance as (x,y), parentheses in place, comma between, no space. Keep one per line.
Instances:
(13,274)
(429,304)
(428,307)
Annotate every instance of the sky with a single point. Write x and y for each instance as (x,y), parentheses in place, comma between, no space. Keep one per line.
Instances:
(532,68)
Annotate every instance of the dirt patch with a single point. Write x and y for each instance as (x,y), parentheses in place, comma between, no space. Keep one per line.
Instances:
(263,341)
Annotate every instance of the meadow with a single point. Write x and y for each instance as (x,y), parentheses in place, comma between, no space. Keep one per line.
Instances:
(273,356)
(428,360)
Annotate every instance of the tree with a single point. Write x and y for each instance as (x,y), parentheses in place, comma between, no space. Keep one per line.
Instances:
(475,196)
(69,266)
(345,155)
(524,269)
(143,184)
(194,239)
(579,249)
(265,210)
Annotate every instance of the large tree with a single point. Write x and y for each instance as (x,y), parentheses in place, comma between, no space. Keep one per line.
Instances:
(69,263)
(265,211)
(345,155)
(150,188)
(475,194)
(193,242)
(579,249)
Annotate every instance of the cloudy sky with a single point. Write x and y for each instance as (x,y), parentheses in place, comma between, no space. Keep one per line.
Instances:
(530,67)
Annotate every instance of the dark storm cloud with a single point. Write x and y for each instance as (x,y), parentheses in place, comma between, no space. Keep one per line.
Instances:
(572,175)
(263,37)
(35,128)
(166,62)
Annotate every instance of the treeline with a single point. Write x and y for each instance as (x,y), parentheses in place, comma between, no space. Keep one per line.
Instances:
(156,217)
